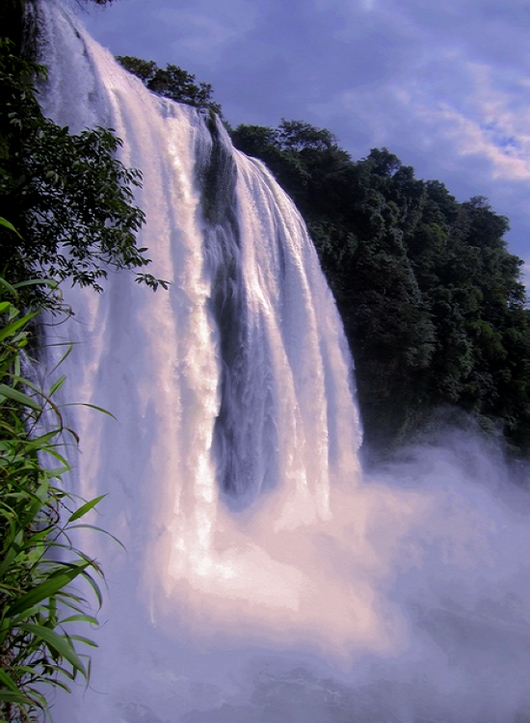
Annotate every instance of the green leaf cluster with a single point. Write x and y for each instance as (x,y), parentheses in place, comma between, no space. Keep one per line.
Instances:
(68,195)
(171,82)
(431,299)
(38,560)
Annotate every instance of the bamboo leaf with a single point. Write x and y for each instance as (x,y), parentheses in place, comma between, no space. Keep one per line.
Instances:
(50,283)
(8,286)
(9,696)
(6,680)
(14,326)
(86,641)
(90,406)
(81,619)
(44,590)
(57,385)
(103,532)
(10,226)
(85,508)
(61,645)
(17,396)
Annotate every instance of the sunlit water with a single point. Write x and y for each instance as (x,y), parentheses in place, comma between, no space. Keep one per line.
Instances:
(265,581)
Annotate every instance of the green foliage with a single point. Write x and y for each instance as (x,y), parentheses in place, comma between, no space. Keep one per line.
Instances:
(39,563)
(171,82)
(431,300)
(68,195)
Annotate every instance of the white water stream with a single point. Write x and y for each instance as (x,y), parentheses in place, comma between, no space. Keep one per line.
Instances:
(264,580)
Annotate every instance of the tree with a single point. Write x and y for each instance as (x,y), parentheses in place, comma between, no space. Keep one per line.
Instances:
(68,195)
(171,82)
(431,300)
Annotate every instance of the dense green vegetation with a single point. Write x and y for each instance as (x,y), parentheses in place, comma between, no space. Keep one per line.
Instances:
(38,561)
(68,195)
(171,82)
(432,301)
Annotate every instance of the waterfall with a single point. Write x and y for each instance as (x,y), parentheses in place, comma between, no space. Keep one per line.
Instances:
(264,580)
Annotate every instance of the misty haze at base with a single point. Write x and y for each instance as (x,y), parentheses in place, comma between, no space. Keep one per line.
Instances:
(265,580)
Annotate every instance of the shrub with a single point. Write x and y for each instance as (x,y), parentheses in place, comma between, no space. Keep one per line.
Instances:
(38,560)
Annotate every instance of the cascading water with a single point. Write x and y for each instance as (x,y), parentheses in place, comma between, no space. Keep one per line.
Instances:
(264,580)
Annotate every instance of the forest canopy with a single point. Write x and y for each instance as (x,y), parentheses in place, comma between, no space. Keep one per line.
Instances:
(431,299)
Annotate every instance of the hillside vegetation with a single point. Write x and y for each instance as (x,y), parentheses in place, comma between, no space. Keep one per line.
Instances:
(431,299)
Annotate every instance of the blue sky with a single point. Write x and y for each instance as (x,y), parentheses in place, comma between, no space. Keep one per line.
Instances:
(445,85)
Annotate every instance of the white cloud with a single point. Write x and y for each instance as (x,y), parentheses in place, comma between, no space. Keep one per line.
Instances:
(480,118)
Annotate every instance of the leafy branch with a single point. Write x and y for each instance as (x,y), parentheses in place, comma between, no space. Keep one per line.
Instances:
(38,558)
